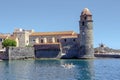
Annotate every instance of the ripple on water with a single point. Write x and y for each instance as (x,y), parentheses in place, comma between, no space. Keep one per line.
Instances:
(98,69)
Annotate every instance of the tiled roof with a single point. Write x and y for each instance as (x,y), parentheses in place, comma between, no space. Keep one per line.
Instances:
(2,36)
(62,33)
(47,43)
(75,36)
(7,37)
(12,38)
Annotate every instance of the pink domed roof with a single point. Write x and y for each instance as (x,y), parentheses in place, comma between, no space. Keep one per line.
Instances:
(86,12)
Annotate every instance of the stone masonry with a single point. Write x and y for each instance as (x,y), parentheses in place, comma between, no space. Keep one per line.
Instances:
(20,52)
(86,34)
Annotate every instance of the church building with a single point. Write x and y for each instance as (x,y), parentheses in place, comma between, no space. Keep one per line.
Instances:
(62,44)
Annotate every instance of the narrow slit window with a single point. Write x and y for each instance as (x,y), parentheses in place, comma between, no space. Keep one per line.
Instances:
(85,18)
(83,23)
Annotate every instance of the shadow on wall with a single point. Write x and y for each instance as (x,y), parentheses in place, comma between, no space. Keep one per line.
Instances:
(45,53)
(70,52)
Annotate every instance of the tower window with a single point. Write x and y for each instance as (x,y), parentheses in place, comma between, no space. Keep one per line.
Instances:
(65,40)
(83,23)
(85,18)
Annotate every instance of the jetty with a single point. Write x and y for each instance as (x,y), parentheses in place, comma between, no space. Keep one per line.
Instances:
(107,55)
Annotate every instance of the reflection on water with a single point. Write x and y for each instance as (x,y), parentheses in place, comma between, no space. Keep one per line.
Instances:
(53,70)
(46,70)
(98,69)
(82,70)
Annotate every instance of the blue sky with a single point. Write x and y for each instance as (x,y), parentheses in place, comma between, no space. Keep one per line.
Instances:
(62,15)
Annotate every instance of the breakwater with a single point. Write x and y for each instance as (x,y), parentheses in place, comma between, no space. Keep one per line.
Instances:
(107,55)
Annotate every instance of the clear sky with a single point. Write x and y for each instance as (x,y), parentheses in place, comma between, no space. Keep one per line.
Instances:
(62,15)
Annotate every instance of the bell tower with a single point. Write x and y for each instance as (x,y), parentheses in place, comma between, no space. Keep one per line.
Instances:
(86,34)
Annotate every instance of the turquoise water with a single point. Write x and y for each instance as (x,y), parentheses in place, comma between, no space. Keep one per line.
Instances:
(97,69)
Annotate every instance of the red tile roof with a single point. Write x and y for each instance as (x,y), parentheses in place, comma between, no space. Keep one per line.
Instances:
(62,33)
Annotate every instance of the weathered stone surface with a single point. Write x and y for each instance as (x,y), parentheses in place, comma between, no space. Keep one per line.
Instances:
(23,37)
(47,50)
(47,53)
(70,47)
(70,51)
(20,52)
(86,36)
(4,55)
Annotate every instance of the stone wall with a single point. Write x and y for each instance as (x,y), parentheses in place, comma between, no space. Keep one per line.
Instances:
(23,38)
(70,51)
(47,50)
(4,55)
(47,53)
(70,47)
(20,52)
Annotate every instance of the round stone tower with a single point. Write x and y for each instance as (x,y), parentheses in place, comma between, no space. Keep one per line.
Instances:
(86,34)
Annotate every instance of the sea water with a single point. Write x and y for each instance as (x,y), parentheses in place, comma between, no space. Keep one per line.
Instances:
(93,69)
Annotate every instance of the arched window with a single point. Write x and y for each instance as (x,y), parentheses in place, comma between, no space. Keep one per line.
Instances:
(41,40)
(58,40)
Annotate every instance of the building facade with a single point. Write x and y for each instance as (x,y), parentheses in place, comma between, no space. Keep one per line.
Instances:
(50,37)
(67,44)
(23,36)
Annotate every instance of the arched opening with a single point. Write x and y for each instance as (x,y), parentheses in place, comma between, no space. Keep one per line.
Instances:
(42,41)
(58,40)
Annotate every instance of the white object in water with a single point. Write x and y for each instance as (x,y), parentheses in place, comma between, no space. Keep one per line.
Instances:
(68,66)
